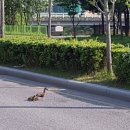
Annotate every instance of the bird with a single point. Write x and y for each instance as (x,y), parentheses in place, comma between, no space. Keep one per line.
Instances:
(33,98)
(42,94)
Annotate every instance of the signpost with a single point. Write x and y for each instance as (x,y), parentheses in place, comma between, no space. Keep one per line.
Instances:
(1,18)
(59,29)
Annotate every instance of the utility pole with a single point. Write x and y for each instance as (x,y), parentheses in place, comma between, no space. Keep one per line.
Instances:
(49,19)
(1,18)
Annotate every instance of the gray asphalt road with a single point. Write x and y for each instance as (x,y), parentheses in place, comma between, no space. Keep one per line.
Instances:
(61,109)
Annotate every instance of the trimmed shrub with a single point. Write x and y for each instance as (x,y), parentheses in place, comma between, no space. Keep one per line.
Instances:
(71,55)
(121,61)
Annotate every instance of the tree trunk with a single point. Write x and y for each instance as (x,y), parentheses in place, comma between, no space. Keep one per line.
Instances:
(28,18)
(74,29)
(1,18)
(37,18)
(14,19)
(127,21)
(99,29)
(108,38)
(10,18)
(49,19)
(25,17)
(108,41)
(121,27)
(114,25)
(126,16)
(94,29)
(21,18)
(103,24)
(117,29)
(120,22)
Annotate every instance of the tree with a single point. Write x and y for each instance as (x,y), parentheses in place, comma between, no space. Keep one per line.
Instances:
(87,6)
(120,7)
(126,14)
(1,18)
(106,7)
(38,7)
(73,8)
(10,11)
(23,8)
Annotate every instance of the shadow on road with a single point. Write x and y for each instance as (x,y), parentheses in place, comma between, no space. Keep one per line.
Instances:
(100,101)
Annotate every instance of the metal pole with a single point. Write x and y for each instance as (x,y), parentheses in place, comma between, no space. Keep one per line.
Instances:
(49,19)
(1,18)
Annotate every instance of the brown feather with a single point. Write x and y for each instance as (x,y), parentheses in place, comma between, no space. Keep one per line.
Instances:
(33,98)
(42,94)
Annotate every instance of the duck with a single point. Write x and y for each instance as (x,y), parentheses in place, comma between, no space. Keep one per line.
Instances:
(33,98)
(42,94)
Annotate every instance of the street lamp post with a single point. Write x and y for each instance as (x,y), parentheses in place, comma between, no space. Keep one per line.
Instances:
(49,19)
(1,18)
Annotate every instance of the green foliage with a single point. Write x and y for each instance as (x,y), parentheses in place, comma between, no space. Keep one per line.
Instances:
(70,55)
(122,40)
(120,5)
(71,6)
(87,56)
(122,65)
(20,11)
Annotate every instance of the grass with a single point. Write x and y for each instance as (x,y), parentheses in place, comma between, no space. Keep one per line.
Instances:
(102,77)
(124,40)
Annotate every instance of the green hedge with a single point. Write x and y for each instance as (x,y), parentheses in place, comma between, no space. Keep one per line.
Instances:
(121,61)
(69,55)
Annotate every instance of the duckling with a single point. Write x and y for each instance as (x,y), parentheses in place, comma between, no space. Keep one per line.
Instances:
(33,98)
(42,94)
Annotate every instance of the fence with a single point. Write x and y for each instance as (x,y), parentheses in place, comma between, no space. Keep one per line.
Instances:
(25,30)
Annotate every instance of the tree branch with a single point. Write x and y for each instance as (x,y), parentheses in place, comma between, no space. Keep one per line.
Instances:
(95,4)
(101,3)
(113,7)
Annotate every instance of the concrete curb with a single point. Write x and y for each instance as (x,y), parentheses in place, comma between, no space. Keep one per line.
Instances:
(60,82)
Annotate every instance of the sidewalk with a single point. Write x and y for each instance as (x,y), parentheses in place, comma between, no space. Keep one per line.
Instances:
(64,83)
